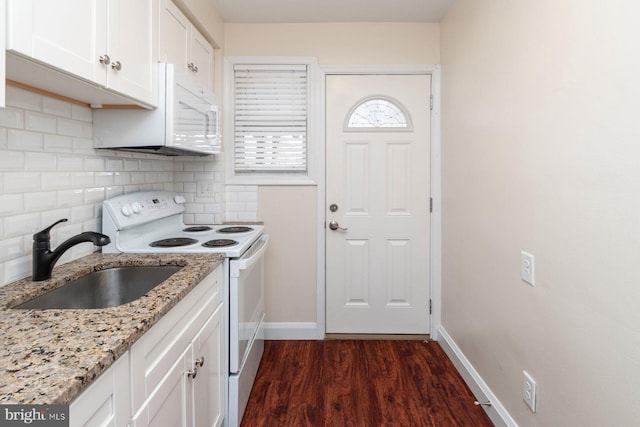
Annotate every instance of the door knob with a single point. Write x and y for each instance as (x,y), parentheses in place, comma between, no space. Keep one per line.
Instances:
(335,226)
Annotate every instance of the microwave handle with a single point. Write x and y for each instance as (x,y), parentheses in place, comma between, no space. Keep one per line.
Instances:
(212,122)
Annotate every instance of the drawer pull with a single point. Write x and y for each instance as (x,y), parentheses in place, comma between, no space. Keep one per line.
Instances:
(192,373)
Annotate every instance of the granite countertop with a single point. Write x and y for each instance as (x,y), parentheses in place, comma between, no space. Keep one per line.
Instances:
(51,356)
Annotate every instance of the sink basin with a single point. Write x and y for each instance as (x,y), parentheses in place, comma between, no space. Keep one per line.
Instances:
(104,288)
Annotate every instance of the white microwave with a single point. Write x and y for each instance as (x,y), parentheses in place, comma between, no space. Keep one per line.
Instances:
(185,123)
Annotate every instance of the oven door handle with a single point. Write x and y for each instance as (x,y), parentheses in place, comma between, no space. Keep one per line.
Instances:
(254,253)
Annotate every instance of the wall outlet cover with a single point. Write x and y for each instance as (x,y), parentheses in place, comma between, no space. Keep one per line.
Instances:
(529,391)
(527,268)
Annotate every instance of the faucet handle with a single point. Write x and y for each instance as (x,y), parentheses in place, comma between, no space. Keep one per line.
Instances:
(44,236)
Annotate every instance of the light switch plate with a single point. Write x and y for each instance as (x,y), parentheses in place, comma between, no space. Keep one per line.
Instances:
(527,268)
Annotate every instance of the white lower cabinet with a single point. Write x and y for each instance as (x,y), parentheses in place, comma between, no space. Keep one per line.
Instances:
(174,371)
(106,402)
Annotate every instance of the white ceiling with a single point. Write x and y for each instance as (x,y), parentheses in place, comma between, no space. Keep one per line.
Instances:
(281,11)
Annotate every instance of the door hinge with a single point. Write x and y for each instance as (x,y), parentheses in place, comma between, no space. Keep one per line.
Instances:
(430,306)
(431,204)
(431,102)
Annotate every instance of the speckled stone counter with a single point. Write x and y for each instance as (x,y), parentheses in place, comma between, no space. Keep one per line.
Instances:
(51,356)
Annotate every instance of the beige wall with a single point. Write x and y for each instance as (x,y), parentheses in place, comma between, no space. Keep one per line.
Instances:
(290,265)
(541,153)
(338,43)
(292,297)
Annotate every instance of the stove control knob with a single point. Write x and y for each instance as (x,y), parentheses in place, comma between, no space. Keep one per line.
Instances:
(179,199)
(136,207)
(126,210)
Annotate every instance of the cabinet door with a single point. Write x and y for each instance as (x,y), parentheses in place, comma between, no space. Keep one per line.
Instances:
(201,55)
(174,35)
(207,387)
(167,406)
(131,42)
(67,34)
(106,401)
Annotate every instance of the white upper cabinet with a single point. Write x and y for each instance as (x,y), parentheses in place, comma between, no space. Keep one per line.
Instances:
(131,47)
(183,45)
(106,42)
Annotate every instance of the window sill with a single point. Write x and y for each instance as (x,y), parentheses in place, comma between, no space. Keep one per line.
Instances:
(270,180)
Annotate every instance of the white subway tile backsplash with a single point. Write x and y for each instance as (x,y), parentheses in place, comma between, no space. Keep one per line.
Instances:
(58,143)
(40,161)
(40,201)
(23,99)
(70,162)
(21,182)
(81,179)
(205,219)
(56,107)
(82,213)
(137,178)
(49,170)
(12,160)
(93,164)
(69,198)
(56,180)
(40,122)
(83,146)
(94,195)
(19,225)
(114,165)
(71,127)
(131,165)
(3,139)
(104,179)
(81,113)
(12,118)
(50,217)
(11,204)
(17,268)
(24,140)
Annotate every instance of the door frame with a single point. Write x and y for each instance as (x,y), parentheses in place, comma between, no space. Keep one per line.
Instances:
(436,185)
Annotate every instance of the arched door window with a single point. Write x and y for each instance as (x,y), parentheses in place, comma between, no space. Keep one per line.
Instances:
(378,113)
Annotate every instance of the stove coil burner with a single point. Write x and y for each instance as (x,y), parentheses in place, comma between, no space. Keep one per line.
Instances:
(173,242)
(196,228)
(235,229)
(219,243)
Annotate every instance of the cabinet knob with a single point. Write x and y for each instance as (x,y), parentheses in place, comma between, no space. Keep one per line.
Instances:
(192,373)
(190,66)
(104,59)
(195,68)
(200,361)
(116,66)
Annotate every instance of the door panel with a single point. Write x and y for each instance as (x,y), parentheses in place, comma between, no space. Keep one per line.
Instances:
(378,260)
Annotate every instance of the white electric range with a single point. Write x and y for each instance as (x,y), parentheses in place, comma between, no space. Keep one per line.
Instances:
(152,222)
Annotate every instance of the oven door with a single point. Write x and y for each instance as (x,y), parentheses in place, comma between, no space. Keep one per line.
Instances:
(246,302)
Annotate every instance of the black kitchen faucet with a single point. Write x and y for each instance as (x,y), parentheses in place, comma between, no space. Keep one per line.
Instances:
(44,259)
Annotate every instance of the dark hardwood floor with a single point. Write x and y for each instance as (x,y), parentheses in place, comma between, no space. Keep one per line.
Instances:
(364,383)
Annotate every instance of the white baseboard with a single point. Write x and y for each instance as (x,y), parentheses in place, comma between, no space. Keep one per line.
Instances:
(498,414)
(291,331)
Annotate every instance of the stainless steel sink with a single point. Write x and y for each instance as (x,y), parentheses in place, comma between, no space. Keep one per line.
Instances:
(104,288)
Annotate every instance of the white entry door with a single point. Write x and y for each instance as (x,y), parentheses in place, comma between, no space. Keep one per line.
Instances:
(377,212)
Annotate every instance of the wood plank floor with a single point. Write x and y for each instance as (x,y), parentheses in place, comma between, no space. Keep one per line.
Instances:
(363,383)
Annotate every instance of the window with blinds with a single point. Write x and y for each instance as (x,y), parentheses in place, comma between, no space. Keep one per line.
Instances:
(270,118)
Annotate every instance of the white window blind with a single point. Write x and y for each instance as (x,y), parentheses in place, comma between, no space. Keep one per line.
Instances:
(270,118)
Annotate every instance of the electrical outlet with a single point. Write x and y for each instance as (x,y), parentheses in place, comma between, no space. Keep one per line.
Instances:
(526,268)
(529,391)
(204,188)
